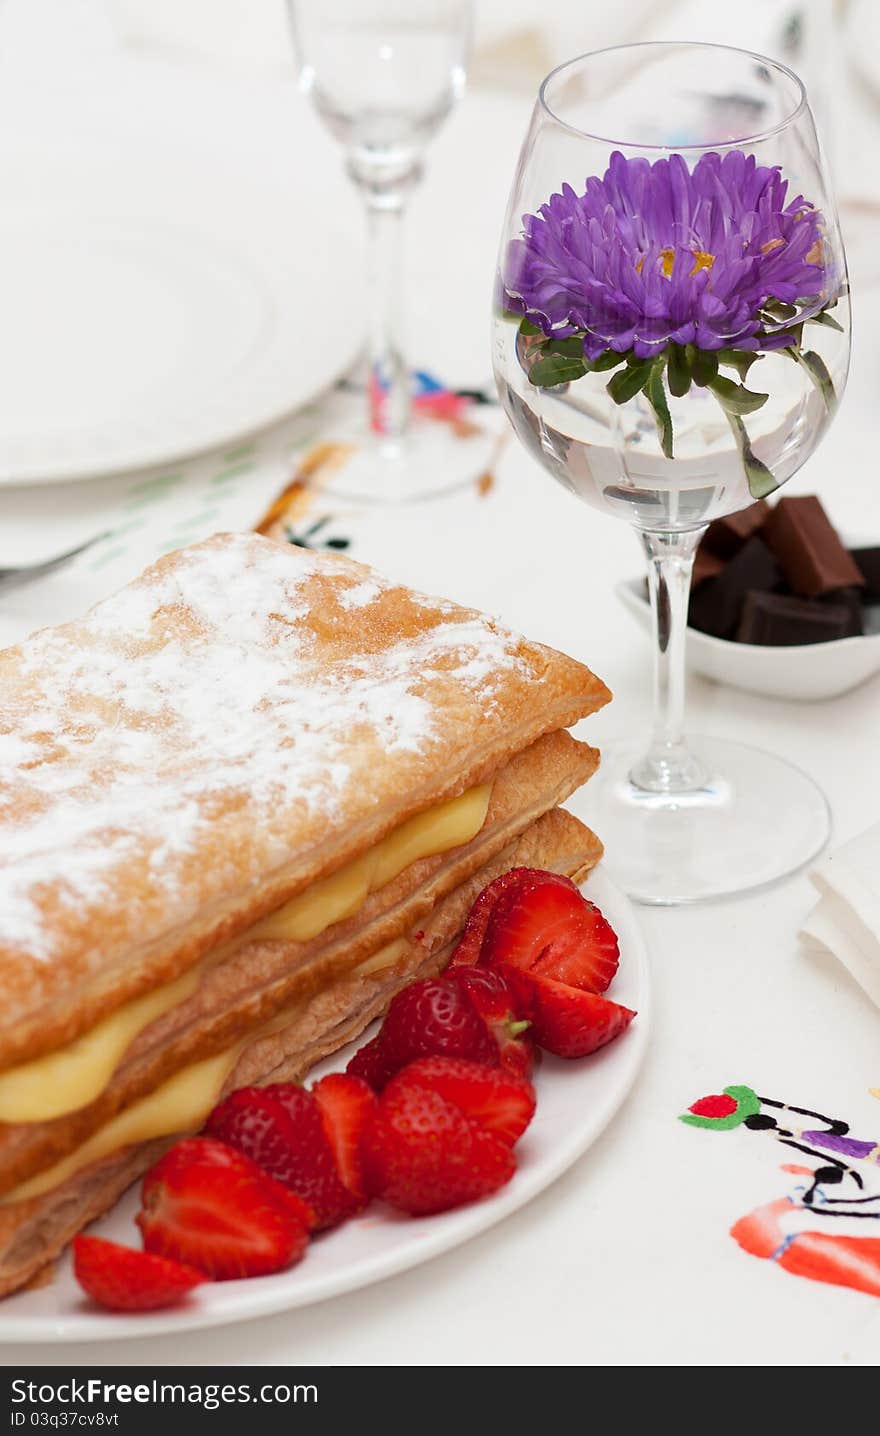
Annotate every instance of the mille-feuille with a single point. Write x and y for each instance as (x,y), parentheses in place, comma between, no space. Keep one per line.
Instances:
(242,803)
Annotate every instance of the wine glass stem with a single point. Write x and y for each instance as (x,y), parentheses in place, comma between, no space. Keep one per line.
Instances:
(669,766)
(389,391)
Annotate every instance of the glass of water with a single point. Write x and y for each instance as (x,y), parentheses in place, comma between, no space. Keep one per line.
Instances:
(670,342)
(384,75)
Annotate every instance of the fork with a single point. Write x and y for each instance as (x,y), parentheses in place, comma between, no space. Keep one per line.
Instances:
(12,577)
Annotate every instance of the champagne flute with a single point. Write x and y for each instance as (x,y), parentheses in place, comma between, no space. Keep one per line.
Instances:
(383,77)
(670,342)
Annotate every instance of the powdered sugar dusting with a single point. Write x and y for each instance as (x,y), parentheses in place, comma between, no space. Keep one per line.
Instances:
(220,692)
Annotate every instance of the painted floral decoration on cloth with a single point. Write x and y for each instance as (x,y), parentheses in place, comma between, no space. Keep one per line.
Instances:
(667,275)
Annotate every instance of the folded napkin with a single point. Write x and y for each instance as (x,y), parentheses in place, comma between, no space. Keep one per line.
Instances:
(846,919)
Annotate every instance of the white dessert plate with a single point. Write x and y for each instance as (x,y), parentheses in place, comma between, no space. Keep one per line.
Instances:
(576,1100)
(805,672)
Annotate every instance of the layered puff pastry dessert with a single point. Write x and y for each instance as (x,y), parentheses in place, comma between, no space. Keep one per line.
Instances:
(242,803)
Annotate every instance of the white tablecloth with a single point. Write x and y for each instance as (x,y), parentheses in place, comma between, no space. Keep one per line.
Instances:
(626,1259)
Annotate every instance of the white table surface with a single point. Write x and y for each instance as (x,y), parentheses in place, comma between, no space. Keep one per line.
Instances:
(626,1260)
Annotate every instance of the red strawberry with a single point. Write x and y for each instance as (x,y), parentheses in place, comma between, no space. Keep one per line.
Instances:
(282,1129)
(550,928)
(123,1279)
(470,947)
(498,1101)
(565,1020)
(423,1155)
(371,1064)
(493,1000)
(346,1104)
(433,1017)
(207,1205)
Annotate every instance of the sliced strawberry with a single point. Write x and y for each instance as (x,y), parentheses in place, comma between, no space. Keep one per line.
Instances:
(346,1104)
(565,1020)
(593,964)
(551,928)
(211,1207)
(281,1128)
(497,1101)
(371,1064)
(493,1000)
(123,1279)
(423,1155)
(470,947)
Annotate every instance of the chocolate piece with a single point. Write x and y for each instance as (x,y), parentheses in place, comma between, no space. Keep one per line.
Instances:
(852,600)
(728,535)
(706,565)
(777,620)
(809,551)
(867,561)
(716,606)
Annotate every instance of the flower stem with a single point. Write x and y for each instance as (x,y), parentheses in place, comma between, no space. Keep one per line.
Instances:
(669,766)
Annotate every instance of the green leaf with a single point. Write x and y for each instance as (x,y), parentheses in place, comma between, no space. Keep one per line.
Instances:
(630,381)
(678,371)
(572,348)
(609,360)
(760,478)
(815,367)
(704,365)
(778,311)
(739,359)
(823,317)
(553,369)
(656,397)
(528,328)
(736,398)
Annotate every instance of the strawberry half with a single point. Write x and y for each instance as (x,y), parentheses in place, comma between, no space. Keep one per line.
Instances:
(491,996)
(281,1127)
(549,927)
(212,1208)
(566,1020)
(346,1104)
(423,1155)
(470,947)
(123,1279)
(371,1064)
(498,1101)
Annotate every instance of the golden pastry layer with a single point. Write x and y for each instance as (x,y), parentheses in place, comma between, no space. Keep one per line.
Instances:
(254,981)
(233,727)
(35,1229)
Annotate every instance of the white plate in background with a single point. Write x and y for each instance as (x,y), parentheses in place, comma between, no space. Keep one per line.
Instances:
(170,287)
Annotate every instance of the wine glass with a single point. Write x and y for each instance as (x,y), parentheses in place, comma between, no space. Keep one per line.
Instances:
(670,341)
(383,77)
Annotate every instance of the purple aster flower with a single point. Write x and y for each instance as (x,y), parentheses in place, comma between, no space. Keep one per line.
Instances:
(652,254)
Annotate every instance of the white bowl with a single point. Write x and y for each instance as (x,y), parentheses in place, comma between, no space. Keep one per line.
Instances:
(804,671)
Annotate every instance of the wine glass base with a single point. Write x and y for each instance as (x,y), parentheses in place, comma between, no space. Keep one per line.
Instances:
(756,820)
(430,461)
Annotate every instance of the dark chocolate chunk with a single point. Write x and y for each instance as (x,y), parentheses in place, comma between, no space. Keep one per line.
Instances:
(706,565)
(777,620)
(852,599)
(867,561)
(728,535)
(808,549)
(716,606)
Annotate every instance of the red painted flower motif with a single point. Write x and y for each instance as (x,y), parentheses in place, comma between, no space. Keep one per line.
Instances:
(718,1105)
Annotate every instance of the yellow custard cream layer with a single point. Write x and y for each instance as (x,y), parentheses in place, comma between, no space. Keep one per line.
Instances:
(71,1078)
(180,1104)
